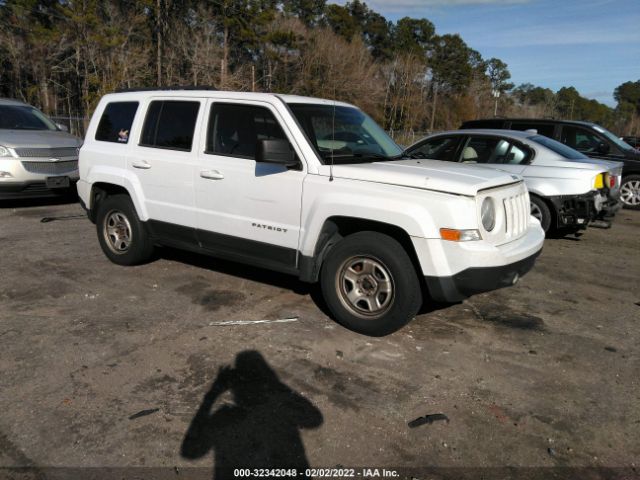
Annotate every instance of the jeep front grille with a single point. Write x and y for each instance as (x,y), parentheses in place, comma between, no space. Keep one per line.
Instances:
(516,211)
(51,168)
(60,152)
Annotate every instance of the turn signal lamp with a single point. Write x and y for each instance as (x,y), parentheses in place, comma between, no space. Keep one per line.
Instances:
(599,181)
(454,235)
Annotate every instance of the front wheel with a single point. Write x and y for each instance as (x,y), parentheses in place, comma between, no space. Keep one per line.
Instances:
(370,284)
(541,211)
(630,192)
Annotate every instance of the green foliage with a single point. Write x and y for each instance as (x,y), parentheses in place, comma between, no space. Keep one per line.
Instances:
(572,105)
(341,22)
(308,11)
(532,95)
(628,93)
(449,62)
(566,103)
(414,36)
(498,74)
(378,35)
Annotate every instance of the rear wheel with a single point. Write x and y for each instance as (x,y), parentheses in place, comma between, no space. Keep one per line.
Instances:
(630,192)
(541,211)
(121,233)
(370,284)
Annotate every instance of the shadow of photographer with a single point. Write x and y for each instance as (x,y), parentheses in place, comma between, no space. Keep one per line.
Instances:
(260,429)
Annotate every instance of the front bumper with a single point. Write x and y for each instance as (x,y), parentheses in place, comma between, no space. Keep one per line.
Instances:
(27,177)
(609,208)
(477,280)
(33,189)
(455,270)
(576,210)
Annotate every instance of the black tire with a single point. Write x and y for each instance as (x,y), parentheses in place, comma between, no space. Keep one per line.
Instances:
(629,185)
(118,212)
(388,264)
(545,216)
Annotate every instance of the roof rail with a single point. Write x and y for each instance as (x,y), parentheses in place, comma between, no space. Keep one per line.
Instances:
(172,87)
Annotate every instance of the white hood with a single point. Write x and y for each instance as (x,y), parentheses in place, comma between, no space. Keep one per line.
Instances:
(448,177)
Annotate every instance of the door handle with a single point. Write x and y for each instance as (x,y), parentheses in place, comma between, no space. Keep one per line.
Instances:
(141,164)
(211,175)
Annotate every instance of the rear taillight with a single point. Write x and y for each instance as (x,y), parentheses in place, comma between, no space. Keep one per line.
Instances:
(610,180)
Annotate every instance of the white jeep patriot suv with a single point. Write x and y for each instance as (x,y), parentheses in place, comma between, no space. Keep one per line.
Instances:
(310,187)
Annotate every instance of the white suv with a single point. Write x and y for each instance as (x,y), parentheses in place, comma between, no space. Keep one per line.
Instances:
(310,187)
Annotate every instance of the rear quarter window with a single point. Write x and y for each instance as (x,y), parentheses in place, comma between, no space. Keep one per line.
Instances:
(115,123)
(170,124)
(557,147)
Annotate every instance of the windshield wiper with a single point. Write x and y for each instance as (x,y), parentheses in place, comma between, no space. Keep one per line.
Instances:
(356,156)
(370,155)
(408,156)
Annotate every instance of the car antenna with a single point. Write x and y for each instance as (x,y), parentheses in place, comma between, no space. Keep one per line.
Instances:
(333,135)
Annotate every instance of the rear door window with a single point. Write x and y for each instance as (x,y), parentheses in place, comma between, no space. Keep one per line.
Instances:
(494,150)
(516,155)
(170,124)
(587,141)
(580,139)
(479,149)
(439,148)
(115,123)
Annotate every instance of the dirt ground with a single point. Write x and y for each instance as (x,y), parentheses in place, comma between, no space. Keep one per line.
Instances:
(107,366)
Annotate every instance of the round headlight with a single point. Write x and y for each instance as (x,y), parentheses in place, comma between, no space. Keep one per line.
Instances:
(488,214)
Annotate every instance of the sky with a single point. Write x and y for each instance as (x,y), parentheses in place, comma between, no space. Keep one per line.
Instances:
(593,45)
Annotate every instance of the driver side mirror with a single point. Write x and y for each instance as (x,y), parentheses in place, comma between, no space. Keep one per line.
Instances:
(276,151)
(602,148)
(62,127)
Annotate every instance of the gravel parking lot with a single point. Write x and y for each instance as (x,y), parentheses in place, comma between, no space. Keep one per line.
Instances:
(544,374)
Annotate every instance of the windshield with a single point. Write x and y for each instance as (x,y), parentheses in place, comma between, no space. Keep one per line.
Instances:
(24,117)
(557,147)
(610,136)
(344,133)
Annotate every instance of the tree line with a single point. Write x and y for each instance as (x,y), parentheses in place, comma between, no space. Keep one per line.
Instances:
(63,55)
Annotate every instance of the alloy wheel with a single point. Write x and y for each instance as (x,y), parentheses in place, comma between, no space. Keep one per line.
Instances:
(536,212)
(630,193)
